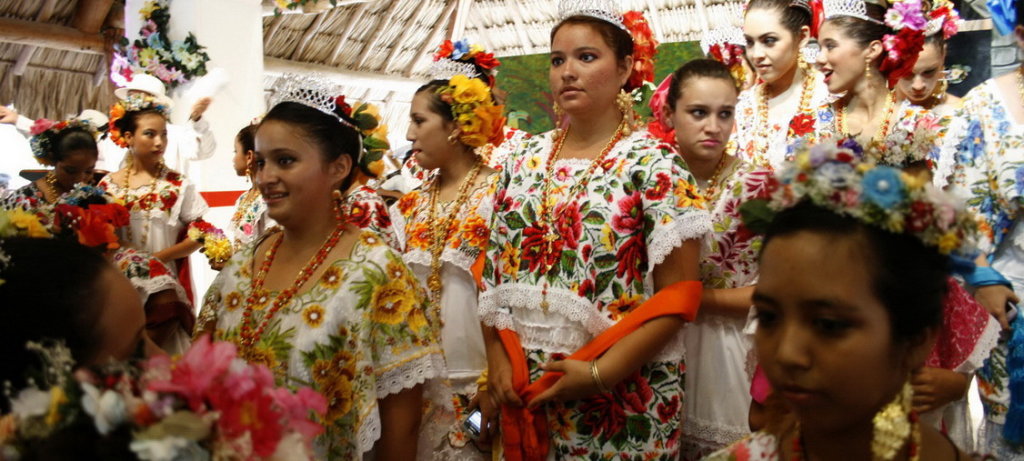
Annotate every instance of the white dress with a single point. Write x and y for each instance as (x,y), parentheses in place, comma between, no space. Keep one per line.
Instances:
(719,361)
(159,213)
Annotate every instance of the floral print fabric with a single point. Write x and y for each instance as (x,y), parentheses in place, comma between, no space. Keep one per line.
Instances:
(250,219)
(768,149)
(759,446)
(916,135)
(365,209)
(359,334)
(719,360)
(158,214)
(639,204)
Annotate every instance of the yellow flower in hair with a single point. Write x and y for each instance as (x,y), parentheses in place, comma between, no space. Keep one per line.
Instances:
(28,223)
(369,109)
(948,242)
(468,90)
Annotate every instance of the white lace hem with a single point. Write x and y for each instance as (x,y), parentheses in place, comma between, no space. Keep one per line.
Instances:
(569,323)
(410,373)
(988,340)
(694,224)
(150,287)
(946,162)
(711,434)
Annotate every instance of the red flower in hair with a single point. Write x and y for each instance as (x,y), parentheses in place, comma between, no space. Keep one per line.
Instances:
(341,104)
(486,61)
(40,126)
(644,49)
(902,51)
(662,132)
(444,50)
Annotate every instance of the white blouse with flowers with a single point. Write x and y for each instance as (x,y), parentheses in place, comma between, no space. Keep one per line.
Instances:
(769,148)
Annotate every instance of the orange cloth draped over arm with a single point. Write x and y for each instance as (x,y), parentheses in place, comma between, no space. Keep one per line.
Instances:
(524,433)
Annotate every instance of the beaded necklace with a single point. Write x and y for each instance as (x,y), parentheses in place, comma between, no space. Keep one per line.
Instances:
(51,183)
(546,212)
(1020,83)
(137,202)
(883,128)
(711,192)
(761,139)
(439,231)
(258,296)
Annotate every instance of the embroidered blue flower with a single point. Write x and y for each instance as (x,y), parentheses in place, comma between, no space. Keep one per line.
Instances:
(972,145)
(883,187)
(825,116)
(460,48)
(1018,177)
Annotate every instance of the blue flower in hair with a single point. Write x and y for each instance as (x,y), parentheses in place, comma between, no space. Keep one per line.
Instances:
(883,186)
(460,48)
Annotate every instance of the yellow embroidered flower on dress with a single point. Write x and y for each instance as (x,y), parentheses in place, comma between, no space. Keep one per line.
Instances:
(534,162)
(687,195)
(620,307)
(407,203)
(419,236)
(417,321)
(391,302)
(475,231)
(333,378)
(262,298)
(313,315)
(510,258)
(332,277)
(395,271)
(606,237)
(369,239)
(233,301)
(262,355)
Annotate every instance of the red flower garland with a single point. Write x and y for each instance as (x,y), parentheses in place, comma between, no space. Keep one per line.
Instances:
(644,49)
(901,54)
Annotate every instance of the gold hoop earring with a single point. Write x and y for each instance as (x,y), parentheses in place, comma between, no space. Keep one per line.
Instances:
(625,104)
(893,424)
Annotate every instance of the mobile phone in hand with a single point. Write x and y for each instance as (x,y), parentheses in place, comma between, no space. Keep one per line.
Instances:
(473,424)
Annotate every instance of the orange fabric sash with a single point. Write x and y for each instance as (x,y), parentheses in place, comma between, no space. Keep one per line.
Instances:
(524,433)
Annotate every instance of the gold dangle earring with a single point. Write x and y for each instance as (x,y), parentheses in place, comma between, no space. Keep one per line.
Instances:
(559,116)
(625,104)
(939,93)
(336,200)
(867,70)
(892,425)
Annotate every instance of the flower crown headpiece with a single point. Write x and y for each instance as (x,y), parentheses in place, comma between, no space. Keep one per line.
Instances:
(905,17)
(373,134)
(134,102)
(462,58)
(726,45)
(44,132)
(944,18)
(835,175)
(480,121)
(91,216)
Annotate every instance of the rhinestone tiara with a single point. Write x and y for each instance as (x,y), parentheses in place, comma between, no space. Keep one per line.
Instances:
(852,8)
(605,10)
(732,35)
(314,90)
(445,69)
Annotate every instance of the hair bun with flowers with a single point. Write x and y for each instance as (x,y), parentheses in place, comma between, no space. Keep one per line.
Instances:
(366,119)
(480,121)
(133,103)
(944,18)
(726,45)
(906,18)
(836,176)
(45,132)
(463,58)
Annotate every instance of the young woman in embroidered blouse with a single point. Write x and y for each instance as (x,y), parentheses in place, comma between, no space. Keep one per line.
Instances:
(357,332)
(779,110)
(590,221)
(250,218)
(700,107)
(71,151)
(455,196)
(162,202)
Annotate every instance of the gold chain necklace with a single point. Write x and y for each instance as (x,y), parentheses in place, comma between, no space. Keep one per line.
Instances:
(883,128)
(761,140)
(439,232)
(138,202)
(51,183)
(545,218)
(710,193)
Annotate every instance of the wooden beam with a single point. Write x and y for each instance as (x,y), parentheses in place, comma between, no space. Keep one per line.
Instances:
(275,24)
(519,22)
(90,15)
(377,31)
(458,28)
(409,27)
(432,40)
(49,36)
(311,31)
(51,69)
(354,19)
(101,73)
(28,50)
(655,18)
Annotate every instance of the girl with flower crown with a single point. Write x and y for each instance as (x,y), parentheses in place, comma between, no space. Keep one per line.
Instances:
(849,302)
(780,108)
(866,49)
(353,324)
(69,146)
(591,270)
(162,202)
(989,173)
(443,227)
(700,107)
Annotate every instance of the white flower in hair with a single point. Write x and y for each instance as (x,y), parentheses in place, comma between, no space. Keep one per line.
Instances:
(606,10)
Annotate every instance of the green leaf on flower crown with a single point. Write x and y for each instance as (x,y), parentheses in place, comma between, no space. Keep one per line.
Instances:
(757,215)
(365,121)
(375,144)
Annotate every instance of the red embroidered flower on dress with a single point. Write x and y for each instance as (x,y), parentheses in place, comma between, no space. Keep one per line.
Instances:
(801,125)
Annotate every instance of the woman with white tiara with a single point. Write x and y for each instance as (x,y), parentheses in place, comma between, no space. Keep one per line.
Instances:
(780,109)
(591,269)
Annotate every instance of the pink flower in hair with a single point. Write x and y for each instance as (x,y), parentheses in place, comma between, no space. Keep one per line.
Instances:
(40,126)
